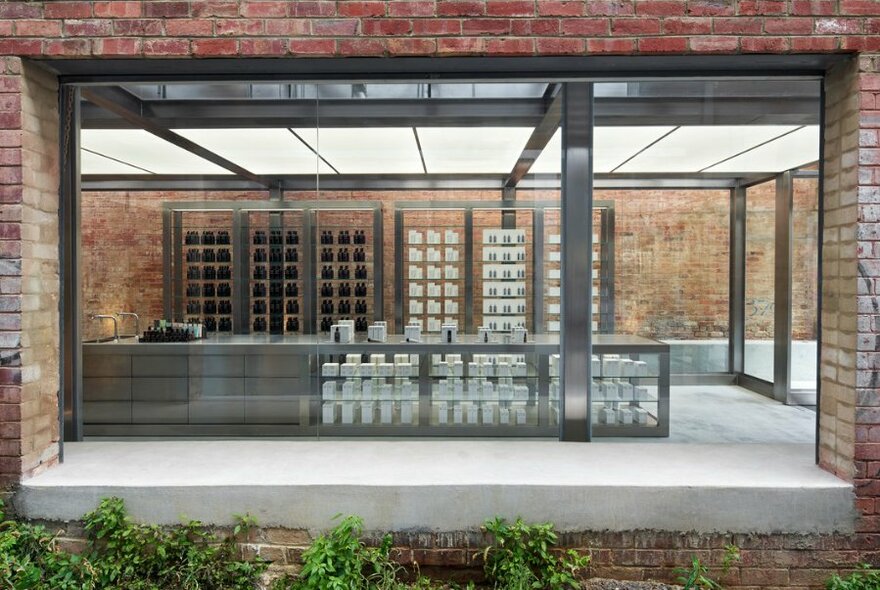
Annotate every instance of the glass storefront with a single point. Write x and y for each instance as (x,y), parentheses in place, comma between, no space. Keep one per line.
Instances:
(391,259)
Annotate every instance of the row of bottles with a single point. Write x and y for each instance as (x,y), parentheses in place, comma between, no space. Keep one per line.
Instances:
(274,237)
(206,238)
(343,237)
(208,255)
(343,306)
(209,273)
(344,272)
(343,255)
(360,324)
(276,255)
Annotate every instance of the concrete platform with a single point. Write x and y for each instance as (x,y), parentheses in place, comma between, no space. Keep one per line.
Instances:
(452,485)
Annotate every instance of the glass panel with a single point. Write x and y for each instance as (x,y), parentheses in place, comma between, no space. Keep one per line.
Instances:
(804,283)
(760,275)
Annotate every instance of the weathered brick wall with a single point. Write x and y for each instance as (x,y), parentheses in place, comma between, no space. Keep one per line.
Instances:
(209,28)
(29,287)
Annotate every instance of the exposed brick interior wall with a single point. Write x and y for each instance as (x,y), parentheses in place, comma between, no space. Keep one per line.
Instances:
(29,284)
(215,28)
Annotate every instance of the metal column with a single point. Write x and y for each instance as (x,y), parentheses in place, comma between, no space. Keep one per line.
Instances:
(737,295)
(782,288)
(69,211)
(577,259)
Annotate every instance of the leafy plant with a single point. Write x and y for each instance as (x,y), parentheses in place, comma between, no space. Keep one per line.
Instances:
(865,578)
(697,575)
(521,557)
(340,560)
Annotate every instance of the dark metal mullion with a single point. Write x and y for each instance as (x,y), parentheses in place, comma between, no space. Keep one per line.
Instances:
(577,260)
(108,99)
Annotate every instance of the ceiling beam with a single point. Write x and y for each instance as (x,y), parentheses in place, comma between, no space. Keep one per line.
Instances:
(132,110)
(540,137)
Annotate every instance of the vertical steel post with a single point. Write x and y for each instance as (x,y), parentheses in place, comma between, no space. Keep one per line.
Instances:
(782,289)
(737,283)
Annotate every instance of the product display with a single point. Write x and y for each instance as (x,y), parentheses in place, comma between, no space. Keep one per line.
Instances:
(206,259)
(505,258)
(276,292)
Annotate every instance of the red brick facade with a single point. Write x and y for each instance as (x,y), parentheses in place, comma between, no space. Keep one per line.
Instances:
(850,412)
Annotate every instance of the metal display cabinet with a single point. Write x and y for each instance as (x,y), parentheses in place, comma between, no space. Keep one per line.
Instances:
(270,284)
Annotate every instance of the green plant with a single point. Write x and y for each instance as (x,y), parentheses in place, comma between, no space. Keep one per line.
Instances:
(340,560)
(521,557)
(697,575)
(865,578)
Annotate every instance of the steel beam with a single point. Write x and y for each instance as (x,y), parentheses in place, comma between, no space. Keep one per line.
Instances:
(126,106)
(782,288)
(538,140)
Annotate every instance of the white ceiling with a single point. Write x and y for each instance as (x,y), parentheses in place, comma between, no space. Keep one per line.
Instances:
(741,149)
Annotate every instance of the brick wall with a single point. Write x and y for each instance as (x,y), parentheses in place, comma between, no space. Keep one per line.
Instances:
(29,287)
(215,28)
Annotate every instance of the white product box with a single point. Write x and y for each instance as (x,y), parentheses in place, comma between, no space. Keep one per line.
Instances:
(554,273)
(367,370)
(367,412)
(328,391)
(450,272)
(554,365)
(450,307)
(433,290)
(457,368)
(473,370)
(443,389)
(375,359)
(403,369)
(353,358)
(414,237)
(433,255)
(491,236)
(328,413)
(330,370)
(488,389)
(641,394)
(412,333)
(554,256)
(520,416)
(554,291)
(348,370)
(627,368)
(409,390)
(347,412)
(386,391)
(504,416)
(553,326)
(442,413)
(640,416)
(448,333)
(521,393)
(458,388)
(341,333)
(378,332)
(596,366)
(625,416)
(625,390)
(385,370)
(433,237)
(451,254)
(473,414)
(487,414)
(484,335)
(415,307)
(502,369)
(554,308)
(433,272)
(641,368)
(434,325)
(442,369)
(610,390)
(451,236)
(401,358)
(416,290)
(554,239)
(520,334)
(457,414)
(554,389)
(386,411)
(450,289)
(406,412)
(607,416)
(367,389)
(433,306)
(415,273)
(348,390)
(415,255)
(505,392)
(611,365)
(520,369)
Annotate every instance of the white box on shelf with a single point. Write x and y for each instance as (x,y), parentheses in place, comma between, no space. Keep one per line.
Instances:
(443,389)
(554,273)
(367,412)
(353,358)
(627,368)
(434,325)
(386,411)
(406,412)
(401,358)
(433,290)
(640,416)
(596,366)
(520,369)
(415,307)
(442,413)
(451,254)
(450,289)
(520,335)
(473,370)
(488,389)
(433,307)
(347,412)
(432,255)
(415,255)
(378,332)
(412,333)
(554,291)
(328,391)
(330,370)
(348,370)
(451,236)
(347,390)
(375,359)
(554,239)
(473,414)
(450,272)
(611,365)
(450,307)
(505,392)
(433,237)
(554,365)
(367,389)
(416,290)
(457,414)
(520,416)
(448,333)
(554,256)
(457,368)
(433,272)
(521,393)
(607,416)
(458,388)
(503,416)
(484,335)
(642,394)
(415,273)
(625,390)
(553,326)
(610,390)
(625,416)
(641,368)
(487,414)
(328,413)
(403,369)
(415,237)
(341,333)
(553,308)
(385,369)
(490,236)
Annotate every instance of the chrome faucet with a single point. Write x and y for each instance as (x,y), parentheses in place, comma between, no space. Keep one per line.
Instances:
(137,322)
(108,317)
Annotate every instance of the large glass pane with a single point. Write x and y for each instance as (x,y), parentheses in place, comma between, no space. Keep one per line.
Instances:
(760,275)
(804,282)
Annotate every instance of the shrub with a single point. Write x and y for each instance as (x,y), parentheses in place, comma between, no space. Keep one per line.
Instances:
(866,578)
